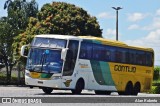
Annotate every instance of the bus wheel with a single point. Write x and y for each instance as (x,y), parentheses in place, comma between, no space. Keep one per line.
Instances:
(47,90)
(102,92)
(121,93)
(79,87)
(129,89)
(136,88)
(31,87)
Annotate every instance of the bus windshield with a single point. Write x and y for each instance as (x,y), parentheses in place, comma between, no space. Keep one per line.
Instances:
(44,60)
(49,42)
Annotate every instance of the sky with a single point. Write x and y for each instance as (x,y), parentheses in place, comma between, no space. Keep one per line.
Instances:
(139,20)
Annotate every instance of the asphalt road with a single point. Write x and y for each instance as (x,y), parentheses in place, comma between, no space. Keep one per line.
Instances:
(11,91)
(87,97)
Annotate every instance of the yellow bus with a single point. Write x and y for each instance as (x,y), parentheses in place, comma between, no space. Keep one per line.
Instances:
(91,63)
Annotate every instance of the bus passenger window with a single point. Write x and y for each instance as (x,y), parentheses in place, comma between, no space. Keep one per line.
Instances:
(107,55)
(113,54)
(132,56)
(98,52)
(124,56)
(85,51)
(140,57)
(118,56)
(149,61)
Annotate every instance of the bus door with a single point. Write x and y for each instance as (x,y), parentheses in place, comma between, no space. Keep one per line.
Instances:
(70,63)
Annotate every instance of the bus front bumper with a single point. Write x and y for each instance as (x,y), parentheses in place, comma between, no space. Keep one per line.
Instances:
(52,83)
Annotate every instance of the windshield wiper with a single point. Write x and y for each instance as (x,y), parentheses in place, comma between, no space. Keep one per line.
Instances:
(44,56)
(42,61)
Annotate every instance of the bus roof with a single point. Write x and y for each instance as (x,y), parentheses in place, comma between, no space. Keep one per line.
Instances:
(102,40)
(114,43)
(68,37)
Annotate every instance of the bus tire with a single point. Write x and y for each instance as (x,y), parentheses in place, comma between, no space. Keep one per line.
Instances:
(121,93)
(137,88)
(129,89)
(31,87)
(79,87)
(102,92)
(47,90)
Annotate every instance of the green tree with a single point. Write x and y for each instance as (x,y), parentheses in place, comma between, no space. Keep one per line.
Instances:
(156,75)
(19,12)
(5,45)
(59,18)
(15,23)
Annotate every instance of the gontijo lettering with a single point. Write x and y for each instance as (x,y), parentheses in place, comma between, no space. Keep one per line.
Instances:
(124,68)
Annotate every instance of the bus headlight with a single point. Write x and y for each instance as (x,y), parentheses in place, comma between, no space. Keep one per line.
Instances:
(27,74)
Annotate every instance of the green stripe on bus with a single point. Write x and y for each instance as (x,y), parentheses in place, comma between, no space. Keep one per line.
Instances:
(44,75)
(98,75)
(106,73)
(101,72)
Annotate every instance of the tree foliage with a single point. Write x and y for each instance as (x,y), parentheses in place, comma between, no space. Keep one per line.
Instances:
(19,12)
(15,23)
(59,18)
(156,75)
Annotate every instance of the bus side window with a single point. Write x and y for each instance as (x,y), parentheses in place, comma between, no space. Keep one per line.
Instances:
(99,52)
(82,54)
(86,50)
(121,55)
(127,56)
(140,58)
(108,55)
(124,55)
(118,56)
(132,56)
(143,58)
(149,57)
(113,54)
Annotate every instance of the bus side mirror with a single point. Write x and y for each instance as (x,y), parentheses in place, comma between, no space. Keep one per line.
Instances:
(24,51)
(63,54)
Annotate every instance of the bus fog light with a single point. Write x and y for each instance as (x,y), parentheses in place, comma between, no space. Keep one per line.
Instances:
(56,77)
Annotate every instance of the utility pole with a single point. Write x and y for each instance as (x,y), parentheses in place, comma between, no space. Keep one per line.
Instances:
(117,8)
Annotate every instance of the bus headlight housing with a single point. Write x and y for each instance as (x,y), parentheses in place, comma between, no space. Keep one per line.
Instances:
(27,74)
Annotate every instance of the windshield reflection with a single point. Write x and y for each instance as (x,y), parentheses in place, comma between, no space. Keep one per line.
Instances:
(42,60)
